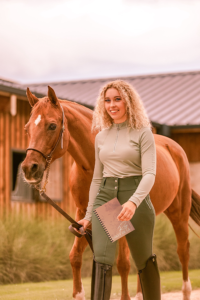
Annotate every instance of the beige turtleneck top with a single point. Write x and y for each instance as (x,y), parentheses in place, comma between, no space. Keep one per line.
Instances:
(121,151)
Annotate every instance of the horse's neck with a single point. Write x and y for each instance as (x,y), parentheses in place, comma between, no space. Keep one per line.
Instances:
(81,142)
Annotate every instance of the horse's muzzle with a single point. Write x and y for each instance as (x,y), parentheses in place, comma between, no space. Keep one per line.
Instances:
(33,172)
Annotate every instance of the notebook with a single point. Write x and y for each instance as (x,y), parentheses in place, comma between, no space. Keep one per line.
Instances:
(107,215)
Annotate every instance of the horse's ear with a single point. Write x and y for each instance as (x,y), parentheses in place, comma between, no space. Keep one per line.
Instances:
(31,98)
(52,96)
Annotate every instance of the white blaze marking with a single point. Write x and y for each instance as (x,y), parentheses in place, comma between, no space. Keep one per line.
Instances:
(37,121)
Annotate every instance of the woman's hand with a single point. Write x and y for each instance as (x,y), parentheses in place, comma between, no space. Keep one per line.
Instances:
(127,212)
(84,223)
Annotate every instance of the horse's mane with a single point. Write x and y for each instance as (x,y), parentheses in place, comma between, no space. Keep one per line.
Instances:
(88,113)
(82,109)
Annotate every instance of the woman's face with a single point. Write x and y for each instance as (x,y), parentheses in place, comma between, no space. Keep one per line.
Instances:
(115,106)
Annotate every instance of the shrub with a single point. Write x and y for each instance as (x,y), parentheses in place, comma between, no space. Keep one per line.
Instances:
(38,250)
(34,250)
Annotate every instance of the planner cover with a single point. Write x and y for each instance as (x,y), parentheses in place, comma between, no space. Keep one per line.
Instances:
(107,215)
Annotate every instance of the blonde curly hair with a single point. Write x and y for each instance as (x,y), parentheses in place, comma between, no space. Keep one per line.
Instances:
(136,114)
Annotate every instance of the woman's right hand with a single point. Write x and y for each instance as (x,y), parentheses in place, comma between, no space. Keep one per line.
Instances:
(84,223)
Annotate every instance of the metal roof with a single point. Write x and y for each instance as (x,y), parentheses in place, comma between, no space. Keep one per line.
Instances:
(172,99)
(14,88)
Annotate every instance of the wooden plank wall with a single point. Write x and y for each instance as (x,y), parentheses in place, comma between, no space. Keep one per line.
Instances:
(4,155)
(12,136)
(189,141)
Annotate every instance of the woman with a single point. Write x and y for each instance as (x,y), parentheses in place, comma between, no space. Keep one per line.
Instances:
(125,167)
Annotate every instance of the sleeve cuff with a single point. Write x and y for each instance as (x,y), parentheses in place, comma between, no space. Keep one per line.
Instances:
(134,200)
(88,218)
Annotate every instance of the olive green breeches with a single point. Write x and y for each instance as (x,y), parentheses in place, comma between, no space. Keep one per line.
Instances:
(139,240)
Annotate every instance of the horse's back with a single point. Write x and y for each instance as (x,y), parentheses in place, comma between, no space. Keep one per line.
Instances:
(173,147)
(171,164)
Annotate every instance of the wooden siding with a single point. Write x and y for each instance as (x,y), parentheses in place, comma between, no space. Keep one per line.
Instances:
(12,136)
(190,142)
(195,176)
(154,129)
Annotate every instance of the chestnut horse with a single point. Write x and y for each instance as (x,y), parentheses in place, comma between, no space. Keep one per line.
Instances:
(170,194)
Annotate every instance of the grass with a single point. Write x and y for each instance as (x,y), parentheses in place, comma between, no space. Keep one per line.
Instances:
(62,289)
(37,250)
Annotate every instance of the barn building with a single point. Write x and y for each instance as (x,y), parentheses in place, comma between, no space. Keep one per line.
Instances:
(172,102)
(15,194)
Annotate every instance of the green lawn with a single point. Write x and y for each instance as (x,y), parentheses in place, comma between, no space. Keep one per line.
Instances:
(62,289)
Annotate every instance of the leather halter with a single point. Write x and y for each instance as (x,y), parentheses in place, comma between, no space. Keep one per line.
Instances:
(49,156)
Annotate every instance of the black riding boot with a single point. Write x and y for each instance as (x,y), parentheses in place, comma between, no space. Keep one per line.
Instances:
(150,280)
(101,281)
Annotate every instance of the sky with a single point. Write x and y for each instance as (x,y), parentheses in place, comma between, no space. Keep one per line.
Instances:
(60,40)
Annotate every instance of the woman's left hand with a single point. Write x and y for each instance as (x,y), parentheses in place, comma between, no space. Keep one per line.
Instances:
(127,212)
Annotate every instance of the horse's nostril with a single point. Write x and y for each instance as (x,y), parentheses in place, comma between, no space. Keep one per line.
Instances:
(34,168)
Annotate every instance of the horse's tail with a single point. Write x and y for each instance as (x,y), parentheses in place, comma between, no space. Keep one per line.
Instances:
(195,209)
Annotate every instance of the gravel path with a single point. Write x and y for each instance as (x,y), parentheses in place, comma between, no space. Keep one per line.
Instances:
(178,296)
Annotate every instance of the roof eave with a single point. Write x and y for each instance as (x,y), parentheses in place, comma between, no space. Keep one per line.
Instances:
(16,91)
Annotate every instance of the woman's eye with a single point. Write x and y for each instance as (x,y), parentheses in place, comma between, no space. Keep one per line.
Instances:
(118,99)
(107,100)
(52,126)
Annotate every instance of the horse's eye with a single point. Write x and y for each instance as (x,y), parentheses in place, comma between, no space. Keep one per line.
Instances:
(52,126)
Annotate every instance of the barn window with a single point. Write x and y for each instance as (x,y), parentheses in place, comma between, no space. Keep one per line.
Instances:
(22,191)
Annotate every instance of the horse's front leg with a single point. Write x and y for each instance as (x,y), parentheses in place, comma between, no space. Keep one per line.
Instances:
(75,257)
(123,266)
(139,295)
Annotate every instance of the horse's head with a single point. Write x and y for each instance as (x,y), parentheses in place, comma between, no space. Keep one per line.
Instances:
(44,129)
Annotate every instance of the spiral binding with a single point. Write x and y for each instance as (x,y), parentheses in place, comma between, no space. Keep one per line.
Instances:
(102,224)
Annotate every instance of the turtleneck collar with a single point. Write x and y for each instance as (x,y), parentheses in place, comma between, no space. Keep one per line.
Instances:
(120,125)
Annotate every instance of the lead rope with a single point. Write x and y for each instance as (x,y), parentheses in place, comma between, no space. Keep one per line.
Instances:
(42,191)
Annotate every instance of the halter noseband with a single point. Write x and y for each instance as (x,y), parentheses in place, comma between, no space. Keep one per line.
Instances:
(48,157)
